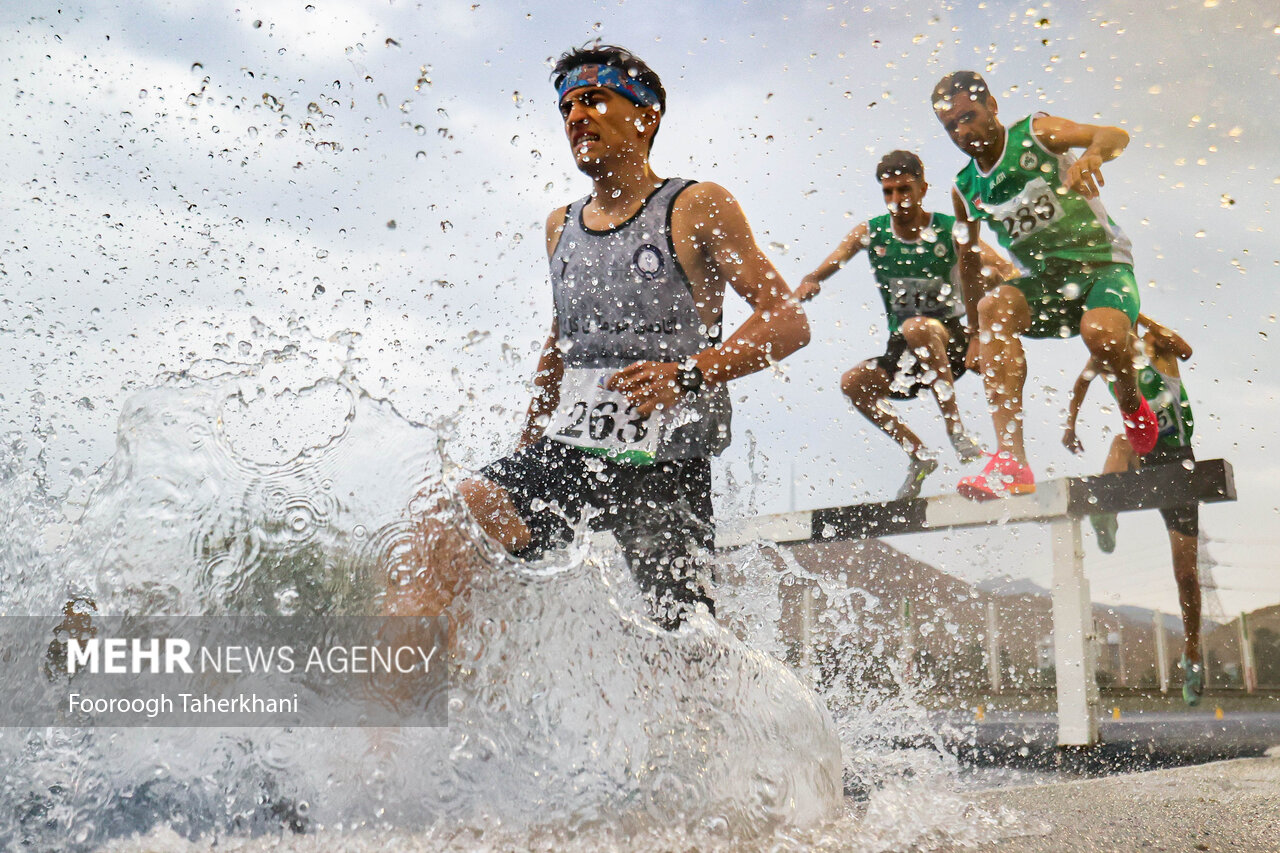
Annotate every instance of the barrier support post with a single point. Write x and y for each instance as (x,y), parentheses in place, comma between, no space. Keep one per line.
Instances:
(1162,651)
(993,646)
(1073,638)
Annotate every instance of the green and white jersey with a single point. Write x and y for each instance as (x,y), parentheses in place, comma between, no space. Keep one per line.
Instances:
(917,278)
(1168,399)
(1034,216)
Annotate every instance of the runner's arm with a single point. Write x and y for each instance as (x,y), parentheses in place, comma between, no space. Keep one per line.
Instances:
(546,393)
(1069,439)
(995,266)
(969,247)
(853,242)
(777,326)
(550,373)
(709,219)
(1101,143)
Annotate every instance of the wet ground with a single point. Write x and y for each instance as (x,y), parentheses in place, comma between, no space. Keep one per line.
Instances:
(1221,806)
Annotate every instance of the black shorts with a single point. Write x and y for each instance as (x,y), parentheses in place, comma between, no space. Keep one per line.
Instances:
(1184,519)
(908,386)
(660,514)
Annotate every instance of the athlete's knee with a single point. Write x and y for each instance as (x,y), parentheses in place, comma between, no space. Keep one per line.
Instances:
(1003,306)
(492,508)
(863,384)
(1106,332)
(923,332)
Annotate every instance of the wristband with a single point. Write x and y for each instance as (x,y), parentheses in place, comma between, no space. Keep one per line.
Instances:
(689,377)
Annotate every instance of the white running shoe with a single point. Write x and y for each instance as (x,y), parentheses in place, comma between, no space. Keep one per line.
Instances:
(918,467)
(965,446)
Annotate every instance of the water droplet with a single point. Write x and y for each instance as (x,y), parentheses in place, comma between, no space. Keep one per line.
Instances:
(446,225)
(196,66)
(359,531)
(391,224)
(390,42)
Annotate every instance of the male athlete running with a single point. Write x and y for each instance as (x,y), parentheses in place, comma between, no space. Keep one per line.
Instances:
(1161,385)
(1042,202)
(632,399)
(915,261)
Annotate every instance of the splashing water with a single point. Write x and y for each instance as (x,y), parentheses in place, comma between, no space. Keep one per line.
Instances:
(574,722)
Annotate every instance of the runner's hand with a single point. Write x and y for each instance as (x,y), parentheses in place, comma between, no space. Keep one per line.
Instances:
(1071,442)
(971,354)
(1085,176)
(809,288)
(648,384)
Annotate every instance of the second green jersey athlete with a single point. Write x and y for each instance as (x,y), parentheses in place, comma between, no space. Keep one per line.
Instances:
(916,278)
(915,261)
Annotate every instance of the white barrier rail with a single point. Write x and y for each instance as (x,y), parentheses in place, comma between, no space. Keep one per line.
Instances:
(1059,503)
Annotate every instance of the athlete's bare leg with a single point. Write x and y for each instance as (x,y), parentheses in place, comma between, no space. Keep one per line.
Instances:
(1185,553)
(493,508)
(928,339)
(1106,333)
(867,387)
(1003,315)
(424,578)
(1120,457)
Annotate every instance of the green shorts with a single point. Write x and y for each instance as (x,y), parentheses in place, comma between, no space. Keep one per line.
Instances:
(1059,295)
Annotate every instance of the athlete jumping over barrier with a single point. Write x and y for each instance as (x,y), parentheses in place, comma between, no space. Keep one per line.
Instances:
(915,261)
(1161,385)
(1077,268)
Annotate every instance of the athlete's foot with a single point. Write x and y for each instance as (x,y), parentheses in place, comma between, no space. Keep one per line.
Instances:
(1003,476)
(1105,525)
(1142,429)
(919,467)
(966,448)
(1192,681)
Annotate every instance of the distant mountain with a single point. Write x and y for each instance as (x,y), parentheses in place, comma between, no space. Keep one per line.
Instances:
(1005,585)
(1171,621)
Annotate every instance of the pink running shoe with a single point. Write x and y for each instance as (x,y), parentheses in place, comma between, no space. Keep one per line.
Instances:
(1142,428)
(1002,477)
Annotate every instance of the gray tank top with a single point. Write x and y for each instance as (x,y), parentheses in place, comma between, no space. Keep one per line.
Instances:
(621,296)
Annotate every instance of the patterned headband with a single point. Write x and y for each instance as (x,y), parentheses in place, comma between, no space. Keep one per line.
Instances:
(608,77)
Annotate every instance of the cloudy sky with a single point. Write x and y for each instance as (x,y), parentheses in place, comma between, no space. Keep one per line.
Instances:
(368,180)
